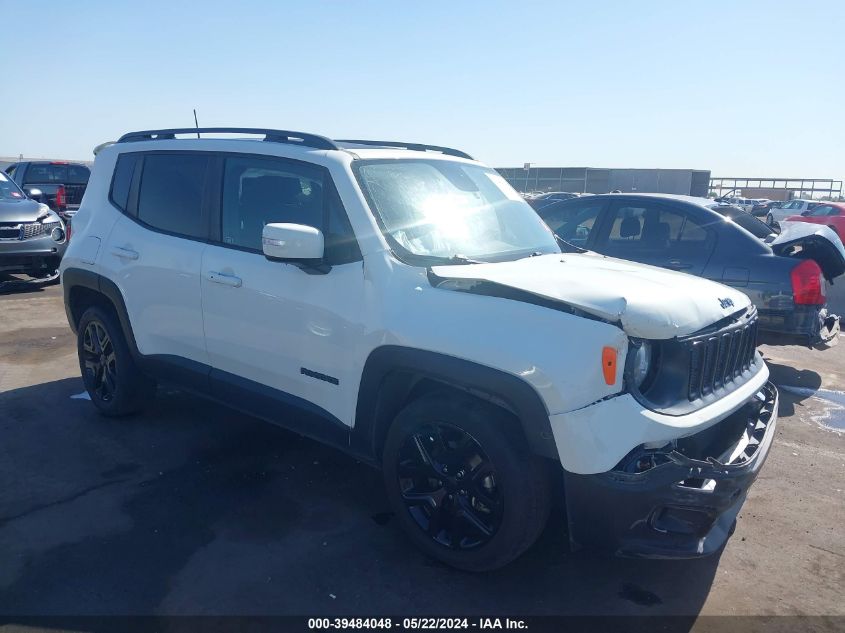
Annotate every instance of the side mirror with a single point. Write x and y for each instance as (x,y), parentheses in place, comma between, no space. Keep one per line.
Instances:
(34,193)
(288,242)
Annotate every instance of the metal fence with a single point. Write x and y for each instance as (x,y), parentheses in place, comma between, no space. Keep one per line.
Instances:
(777,188)
(692,182)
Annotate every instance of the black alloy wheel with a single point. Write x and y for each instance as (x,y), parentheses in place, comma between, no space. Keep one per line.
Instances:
(99,360)
(448,485)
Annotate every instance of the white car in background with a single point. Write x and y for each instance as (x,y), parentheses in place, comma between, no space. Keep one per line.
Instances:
(793,207)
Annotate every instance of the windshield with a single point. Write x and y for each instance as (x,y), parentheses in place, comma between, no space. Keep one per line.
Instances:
(9,190)
(745,220)
(445,210)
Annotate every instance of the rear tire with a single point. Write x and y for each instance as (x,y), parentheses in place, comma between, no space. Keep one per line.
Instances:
(113,381)
(463,482)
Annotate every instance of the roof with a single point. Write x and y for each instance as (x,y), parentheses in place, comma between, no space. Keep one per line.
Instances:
(305,140)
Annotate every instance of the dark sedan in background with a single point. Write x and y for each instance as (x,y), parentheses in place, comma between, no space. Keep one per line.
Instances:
(784,274)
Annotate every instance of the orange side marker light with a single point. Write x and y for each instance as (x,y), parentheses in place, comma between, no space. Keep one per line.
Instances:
(608,364)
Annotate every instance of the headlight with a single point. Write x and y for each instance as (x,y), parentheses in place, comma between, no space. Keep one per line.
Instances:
(53,228)
(641,362)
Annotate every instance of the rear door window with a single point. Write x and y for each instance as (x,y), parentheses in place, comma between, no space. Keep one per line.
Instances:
(659,235)
(171,193)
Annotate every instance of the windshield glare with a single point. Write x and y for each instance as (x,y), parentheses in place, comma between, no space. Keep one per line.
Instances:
(8,189)
(443,209)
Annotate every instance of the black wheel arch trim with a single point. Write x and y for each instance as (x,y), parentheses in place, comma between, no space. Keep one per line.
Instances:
(79,277)
(391,373)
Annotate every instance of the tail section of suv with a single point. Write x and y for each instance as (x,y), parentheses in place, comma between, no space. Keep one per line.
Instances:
(401,302)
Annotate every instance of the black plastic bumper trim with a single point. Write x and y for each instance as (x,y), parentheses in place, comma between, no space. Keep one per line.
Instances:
(664,512)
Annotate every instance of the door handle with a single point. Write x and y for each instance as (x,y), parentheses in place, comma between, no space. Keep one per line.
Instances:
(677,264)
(124,253)
(226,280)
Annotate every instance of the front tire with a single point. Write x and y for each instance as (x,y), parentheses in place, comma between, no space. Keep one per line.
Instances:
(770,220)
(113,381)
(463,483)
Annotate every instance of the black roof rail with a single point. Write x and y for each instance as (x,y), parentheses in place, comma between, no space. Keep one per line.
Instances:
(419,147)
(274,136)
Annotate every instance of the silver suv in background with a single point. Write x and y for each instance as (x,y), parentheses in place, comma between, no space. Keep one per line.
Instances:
(33,238)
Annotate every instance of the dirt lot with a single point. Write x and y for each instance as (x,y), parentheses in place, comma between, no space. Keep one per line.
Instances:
(194,509)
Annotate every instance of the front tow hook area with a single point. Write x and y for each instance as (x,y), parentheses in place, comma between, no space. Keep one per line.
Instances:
(678,501)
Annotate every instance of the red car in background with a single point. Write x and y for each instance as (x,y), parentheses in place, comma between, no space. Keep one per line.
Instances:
(831,214)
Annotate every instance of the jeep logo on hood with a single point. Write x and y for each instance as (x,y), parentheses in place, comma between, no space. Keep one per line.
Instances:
(726,303)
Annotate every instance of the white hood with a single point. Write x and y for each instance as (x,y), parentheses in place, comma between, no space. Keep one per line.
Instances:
(649,302)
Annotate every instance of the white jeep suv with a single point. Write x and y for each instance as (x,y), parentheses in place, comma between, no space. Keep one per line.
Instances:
(401,302)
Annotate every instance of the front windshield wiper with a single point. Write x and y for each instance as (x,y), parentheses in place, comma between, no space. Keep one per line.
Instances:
(570,245)
(461,259)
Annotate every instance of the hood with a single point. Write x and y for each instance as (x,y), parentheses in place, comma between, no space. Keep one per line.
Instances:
(23,210)
(806,240)
(648,302)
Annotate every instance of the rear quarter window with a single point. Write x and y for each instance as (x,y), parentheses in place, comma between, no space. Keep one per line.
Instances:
(122,180)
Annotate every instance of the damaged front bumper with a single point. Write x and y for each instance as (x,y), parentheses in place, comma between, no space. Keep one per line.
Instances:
(680,500)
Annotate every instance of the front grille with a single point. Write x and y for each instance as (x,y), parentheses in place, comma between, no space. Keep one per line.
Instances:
(28,231)
(10,231)
(720,358)
(14,231)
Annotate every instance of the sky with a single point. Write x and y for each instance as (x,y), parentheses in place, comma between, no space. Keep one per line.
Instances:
(739,88)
